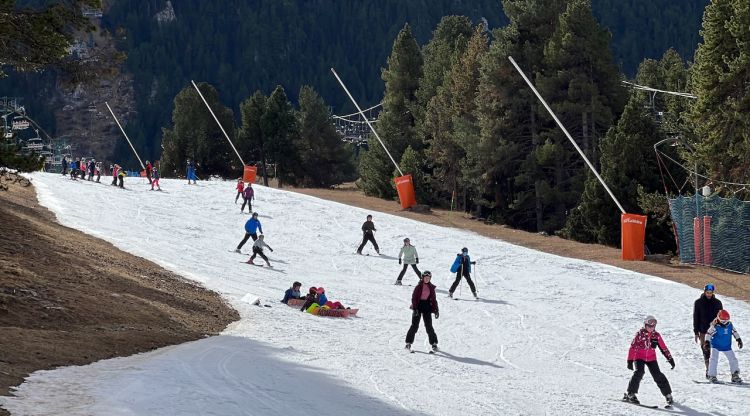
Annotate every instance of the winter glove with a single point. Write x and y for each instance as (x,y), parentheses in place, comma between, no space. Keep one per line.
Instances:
(270,249)
(739,342)
(670,360)
(415,313)
(437,315)
(630,364)
(697,338)
(473,262)
(399,261)
(654,342)
(417,260)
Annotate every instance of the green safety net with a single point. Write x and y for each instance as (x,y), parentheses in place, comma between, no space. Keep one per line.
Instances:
(718,236)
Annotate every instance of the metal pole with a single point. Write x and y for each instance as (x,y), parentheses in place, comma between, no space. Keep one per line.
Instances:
(217,122)
(566,134)
(366,120)
(124,134)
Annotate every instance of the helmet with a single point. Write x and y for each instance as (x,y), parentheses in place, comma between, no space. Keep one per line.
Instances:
(312,290)
(723,316)
(426,273)
(255,214)
(709,287)
(464,250)
(649,321)
(406,240)
(320,290)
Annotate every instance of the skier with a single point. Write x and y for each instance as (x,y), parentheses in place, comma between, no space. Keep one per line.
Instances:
(98,171)
(240,187)
(705,310)
(149,170)
(64,165)
(252,226)
(191,172)
(91,167)
(720,336)
(423,303)
(462,267)
(368,229)
(248,195)
(74,169)
(411,258)
(643,353)
(114,170)
(155,181)
(258,250)
(292,293)
(121,174)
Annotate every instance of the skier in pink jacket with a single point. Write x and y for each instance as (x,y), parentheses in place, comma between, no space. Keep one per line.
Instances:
(643,353)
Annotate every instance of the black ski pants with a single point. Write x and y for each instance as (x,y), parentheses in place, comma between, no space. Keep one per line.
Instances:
(121,180)
(257,251)
(465,274)
(244,240)
(424,312)
(249,205)
(413,266)
(365,238)
(239,193)
(705,348)
(114,181)
(658,376)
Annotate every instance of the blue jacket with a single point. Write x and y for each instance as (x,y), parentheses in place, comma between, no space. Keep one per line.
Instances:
(253,225)
(721,336)
(290,294)
(322,299)
(457,263)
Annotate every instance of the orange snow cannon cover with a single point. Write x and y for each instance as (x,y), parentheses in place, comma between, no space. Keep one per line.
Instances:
(405,188)
(248,175)
(633,230)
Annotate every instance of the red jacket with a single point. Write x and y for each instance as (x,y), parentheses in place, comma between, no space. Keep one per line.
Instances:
(417,296)
(643,346)
(240,186)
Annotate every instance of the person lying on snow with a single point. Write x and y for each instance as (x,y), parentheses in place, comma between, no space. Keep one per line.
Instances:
(293,293)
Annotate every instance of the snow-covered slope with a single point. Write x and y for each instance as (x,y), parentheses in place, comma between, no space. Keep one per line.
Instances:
(548,336)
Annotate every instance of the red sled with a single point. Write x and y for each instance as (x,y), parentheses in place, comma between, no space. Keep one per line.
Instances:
(324,311)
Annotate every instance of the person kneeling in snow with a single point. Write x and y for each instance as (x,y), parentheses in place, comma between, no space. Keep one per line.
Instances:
(720,336)
(292,293)
(258,250)
(312,297)
(643,353)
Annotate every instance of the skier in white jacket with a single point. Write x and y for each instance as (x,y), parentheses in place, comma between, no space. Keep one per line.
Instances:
(410,258)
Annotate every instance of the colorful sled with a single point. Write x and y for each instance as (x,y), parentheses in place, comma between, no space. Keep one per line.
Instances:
(315,309)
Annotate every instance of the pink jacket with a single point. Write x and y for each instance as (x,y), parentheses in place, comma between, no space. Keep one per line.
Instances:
(641,347)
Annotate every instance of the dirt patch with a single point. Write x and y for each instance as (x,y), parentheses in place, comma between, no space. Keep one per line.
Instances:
(728,283)
(67,298)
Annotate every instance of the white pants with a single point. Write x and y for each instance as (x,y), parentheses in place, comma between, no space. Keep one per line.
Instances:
(714,360)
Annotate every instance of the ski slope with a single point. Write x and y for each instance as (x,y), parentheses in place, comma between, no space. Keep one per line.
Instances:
(549,335)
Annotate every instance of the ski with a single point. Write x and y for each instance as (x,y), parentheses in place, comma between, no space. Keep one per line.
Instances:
(722,383)
(648,406)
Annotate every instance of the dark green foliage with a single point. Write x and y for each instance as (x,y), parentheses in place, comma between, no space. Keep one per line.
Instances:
(280,134)
(250,141)
(324,158)
(196,136)
(412,164)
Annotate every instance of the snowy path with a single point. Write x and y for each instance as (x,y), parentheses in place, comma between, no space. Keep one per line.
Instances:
(549,336)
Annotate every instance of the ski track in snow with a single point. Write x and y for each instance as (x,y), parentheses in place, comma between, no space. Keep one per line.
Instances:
(549,335)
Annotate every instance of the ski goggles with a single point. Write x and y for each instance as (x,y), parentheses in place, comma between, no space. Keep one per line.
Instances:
(426,274)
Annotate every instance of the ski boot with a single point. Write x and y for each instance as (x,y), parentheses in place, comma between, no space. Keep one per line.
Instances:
(250,262)
(236,250)
(434,347)
(736,377)
(630,397)
(408,346)
(450,295)
(398,283)
(475,295)
(670,400)
(713,379)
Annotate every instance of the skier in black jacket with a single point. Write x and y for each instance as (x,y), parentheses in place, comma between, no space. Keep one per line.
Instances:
(368,229)
(705,310)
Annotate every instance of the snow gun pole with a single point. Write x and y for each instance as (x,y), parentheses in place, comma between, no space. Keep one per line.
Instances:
(512,61)
(366,120)
(217,122)
(125,134)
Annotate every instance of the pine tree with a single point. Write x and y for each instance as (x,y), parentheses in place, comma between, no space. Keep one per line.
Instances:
(412,164)
(324,158)
(280,135)
(250,141)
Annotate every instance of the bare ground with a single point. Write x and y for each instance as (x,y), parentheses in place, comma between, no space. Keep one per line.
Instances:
(67,298)
(728,283)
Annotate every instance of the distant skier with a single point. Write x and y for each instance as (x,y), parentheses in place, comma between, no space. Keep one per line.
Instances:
(423,304)
(643,353)
(91,168)
(252,226)
(155,181)
(74,169)
(462,267)
(64,165)
(240,187)
(720,336)
(368,230)
(258,250)
(114,168)
(248,194)
(121,174)
(149,171)
(705,310)
(292,293)
(98,171)
(410,258)
(191,172)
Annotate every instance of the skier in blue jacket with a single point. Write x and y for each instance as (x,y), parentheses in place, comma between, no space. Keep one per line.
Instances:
(720,336)
(252,226)
(462,267)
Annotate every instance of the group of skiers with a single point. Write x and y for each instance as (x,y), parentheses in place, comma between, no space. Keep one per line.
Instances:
(80,168)
(713,331)
(252,228)
(248,194)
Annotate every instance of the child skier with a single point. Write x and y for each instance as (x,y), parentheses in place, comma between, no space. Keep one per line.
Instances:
(121,174)
(643,353)
(252,226)
(368,230)
(258,250)
(462,267)
(410,256)
(423,305)
(248,195)
(155,180)
(720,336)
(240,187)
